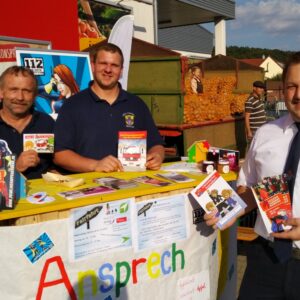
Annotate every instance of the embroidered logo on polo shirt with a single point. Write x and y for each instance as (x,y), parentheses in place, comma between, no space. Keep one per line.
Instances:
(129,119)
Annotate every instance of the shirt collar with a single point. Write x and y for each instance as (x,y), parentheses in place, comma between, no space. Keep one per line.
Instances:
(288,122)
(35,116)
(121,97)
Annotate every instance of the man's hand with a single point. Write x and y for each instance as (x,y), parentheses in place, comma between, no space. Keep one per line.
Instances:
(108,164)
(155,157)
(293,233)
(26,160)
(154,161)
(211,220)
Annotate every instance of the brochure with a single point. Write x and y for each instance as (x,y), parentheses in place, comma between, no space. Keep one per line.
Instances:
(214,194)
(274,203)
(115,183)
(132,150)
(175,177)
(86,192)
(182,166)
(40,142)
(7,176)
(151,180)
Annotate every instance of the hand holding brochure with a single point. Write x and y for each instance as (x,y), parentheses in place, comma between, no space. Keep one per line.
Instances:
(214,194)
(273,201)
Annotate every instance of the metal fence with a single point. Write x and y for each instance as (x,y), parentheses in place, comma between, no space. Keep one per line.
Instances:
(275,110)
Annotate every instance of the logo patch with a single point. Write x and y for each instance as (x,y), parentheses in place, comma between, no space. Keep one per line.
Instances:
(38,248)
(129,119)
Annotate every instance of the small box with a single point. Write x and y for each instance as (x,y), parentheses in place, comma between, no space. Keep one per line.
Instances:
(197,152)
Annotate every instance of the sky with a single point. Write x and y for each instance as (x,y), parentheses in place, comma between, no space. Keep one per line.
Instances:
(271,24)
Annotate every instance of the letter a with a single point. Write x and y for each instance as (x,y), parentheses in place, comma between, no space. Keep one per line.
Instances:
(64,278)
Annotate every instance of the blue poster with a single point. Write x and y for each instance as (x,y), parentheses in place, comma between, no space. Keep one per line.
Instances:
(59,74)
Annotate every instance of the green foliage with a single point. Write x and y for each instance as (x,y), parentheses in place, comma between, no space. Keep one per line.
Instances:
(248,52)
(278,77)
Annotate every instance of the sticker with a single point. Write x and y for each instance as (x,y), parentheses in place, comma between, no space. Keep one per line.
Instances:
(39,198)
(38,248)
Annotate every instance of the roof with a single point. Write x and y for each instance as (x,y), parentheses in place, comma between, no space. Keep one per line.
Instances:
(221,62)
(191,38)
(253,61)
(172,13)
(140,48)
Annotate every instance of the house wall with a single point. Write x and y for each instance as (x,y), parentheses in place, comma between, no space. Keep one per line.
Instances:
(271,68)
(143,12)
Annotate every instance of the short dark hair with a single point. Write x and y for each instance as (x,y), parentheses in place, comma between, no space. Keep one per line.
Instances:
(294,59)
(109,47)
(16,70)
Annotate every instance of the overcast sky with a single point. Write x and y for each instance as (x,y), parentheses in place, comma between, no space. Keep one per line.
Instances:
(272,24)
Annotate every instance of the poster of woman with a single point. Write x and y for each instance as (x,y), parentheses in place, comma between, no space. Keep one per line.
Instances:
(59,74)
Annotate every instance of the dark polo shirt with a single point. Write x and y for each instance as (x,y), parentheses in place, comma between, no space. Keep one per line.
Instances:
(40,123)
(89,125)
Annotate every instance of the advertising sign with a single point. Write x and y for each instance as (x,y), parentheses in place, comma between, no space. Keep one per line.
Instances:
(59,74)
(8,47)
(96,20)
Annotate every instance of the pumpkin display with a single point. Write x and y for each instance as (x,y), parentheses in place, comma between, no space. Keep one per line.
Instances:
(215,103)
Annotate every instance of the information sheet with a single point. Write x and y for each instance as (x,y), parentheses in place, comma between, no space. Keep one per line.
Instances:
(97,228)
(160,221)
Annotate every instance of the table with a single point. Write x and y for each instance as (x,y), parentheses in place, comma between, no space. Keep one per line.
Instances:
(37,262)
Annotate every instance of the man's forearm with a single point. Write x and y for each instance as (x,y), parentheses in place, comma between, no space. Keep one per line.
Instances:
(246,194)
(74,162)
(247,123)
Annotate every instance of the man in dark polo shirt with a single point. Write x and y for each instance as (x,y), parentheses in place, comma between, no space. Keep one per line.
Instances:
(18,88)
(255,114)
(86,130)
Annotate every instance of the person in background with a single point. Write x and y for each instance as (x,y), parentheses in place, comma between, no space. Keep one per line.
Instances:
(270,273)
(18,88)
(255,114)
(196,83)
(86,130)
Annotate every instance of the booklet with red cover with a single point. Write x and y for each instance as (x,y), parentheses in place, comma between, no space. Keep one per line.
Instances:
(273,200)
(132,150)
